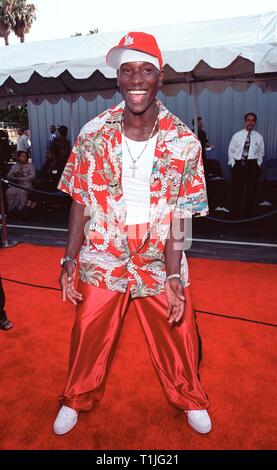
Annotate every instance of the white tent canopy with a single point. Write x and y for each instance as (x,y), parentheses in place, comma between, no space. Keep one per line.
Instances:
(208,54)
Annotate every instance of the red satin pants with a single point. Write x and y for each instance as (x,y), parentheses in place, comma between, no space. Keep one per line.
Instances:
(174,350)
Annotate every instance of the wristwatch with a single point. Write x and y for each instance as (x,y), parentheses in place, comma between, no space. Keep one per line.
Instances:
(67,259)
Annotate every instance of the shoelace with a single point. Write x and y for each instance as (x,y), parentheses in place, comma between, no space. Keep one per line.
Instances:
(66,413)
(202,412)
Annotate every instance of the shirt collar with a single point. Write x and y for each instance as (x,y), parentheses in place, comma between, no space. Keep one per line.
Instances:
(251,132)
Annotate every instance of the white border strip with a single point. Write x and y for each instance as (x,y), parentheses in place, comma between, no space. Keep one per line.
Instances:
(201,240)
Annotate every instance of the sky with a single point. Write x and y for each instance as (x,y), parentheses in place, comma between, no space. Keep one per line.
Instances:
(61,18)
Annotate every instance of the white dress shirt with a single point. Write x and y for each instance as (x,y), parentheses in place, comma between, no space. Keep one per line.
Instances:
(136,190)
(23,144)
(256,150)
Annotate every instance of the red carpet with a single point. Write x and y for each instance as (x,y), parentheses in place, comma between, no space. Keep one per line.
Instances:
(237,370)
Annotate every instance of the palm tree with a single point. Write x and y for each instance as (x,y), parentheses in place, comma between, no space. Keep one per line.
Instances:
(7,21)
(24,15)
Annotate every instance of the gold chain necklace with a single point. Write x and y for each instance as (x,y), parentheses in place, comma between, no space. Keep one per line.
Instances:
(133,167)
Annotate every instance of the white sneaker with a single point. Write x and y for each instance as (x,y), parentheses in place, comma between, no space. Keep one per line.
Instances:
(66,420)
(265,203)
(222,209)
(199,420)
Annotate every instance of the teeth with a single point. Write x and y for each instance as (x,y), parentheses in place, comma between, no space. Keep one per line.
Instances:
(137,92)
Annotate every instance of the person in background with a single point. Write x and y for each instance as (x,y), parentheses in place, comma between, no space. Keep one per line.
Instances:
(63,145)
(202,136)
(53,135)
(23,143)
(5,324)
(49,176)
(245,156)
(211,171)
(5,152)
(22,173)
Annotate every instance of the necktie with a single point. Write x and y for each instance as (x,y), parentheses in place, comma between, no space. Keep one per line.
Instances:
(246,147)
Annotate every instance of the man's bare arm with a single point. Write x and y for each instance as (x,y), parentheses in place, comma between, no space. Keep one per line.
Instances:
(173,256)
(76,234)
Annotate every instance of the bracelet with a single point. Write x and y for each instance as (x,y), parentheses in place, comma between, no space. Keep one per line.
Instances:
(67,259)
(173,276)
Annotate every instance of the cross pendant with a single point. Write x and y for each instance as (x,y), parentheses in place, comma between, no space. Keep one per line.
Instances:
(133,168)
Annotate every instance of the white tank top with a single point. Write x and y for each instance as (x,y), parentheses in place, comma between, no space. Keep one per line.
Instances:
(136,191)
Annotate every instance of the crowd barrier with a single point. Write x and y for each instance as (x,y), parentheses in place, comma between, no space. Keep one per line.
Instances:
(203,312)
(48,194)
(60,194)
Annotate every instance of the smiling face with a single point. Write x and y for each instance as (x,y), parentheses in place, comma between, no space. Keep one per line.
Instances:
(139,83)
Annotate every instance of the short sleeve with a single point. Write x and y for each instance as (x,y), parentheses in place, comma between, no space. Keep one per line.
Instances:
(74,179)
(192,197)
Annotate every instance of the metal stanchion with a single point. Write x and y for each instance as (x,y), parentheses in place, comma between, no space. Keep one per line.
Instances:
(4,234)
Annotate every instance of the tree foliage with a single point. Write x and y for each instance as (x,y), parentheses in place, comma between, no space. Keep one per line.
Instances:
(16,16)
(7,20)
(17,114)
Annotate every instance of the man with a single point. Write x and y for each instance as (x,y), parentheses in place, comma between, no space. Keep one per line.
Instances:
(210,168)
(134,174)
(53,135)
(202,136)
(63,145)
(245,155)
(23,143)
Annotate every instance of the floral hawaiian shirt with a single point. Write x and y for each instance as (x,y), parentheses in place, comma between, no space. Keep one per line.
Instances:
(92,177)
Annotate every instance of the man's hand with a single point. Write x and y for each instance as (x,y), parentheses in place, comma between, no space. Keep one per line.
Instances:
(176,300)
(67,279)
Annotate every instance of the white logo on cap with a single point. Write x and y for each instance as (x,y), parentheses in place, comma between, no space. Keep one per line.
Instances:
(128,40)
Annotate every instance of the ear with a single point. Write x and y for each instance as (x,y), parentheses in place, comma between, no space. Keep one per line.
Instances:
(161,78)
(117,76)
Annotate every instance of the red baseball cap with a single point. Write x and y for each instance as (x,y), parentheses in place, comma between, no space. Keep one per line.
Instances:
(137,41)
